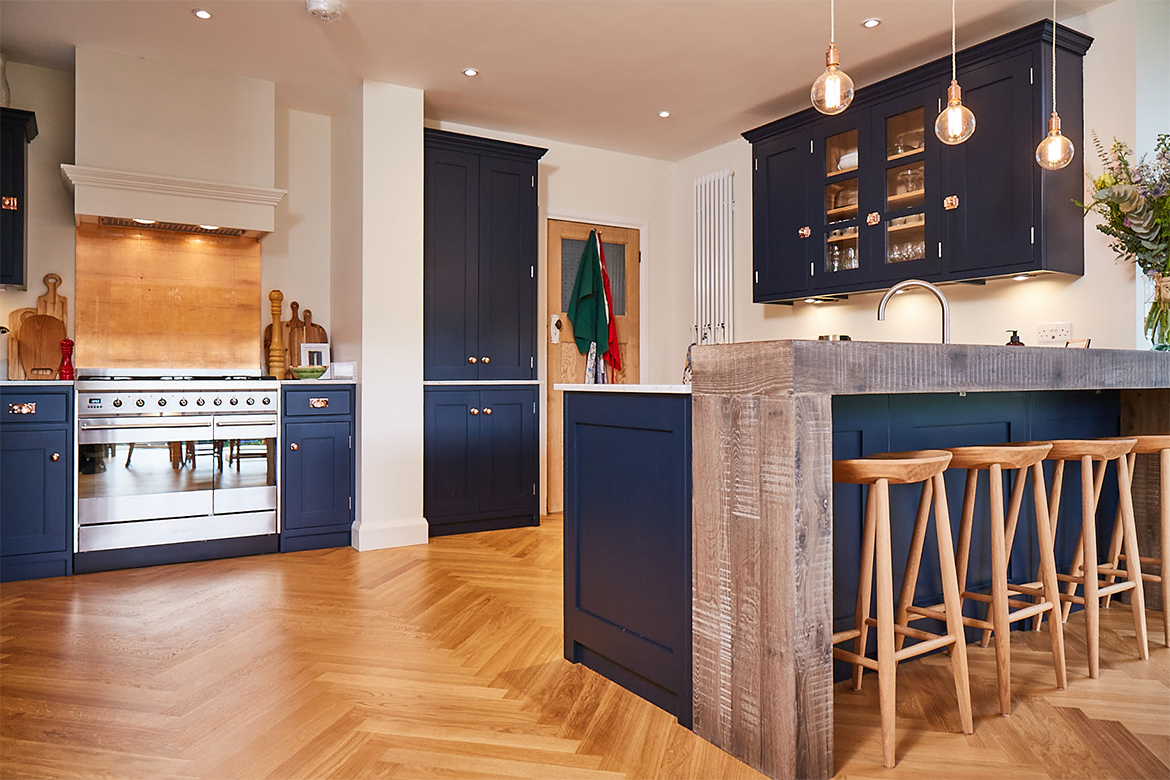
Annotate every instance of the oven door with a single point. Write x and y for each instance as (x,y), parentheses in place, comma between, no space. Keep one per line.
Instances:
(245,469)
(144,468)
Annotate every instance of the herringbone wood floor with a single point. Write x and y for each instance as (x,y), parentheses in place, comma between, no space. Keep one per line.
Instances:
(445,661)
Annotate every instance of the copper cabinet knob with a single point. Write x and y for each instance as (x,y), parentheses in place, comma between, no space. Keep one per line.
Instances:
(56,456)
(873,218)
(804,232)
(487,410)
(474,412)
(485,360)
(472,360)
(294,446)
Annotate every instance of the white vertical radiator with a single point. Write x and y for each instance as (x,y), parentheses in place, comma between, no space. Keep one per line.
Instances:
(714,204)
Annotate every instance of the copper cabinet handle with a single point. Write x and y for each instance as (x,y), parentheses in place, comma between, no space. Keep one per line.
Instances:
(472,360)
(485,360)
(294,446)
(487,410)
(872,218)
(474,412)
(951,202)
(318,403)
(804,232)
(11,203)
(25,408)
(56,456)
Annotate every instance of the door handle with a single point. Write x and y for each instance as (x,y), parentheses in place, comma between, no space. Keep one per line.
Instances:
(873,218)
(487,410)
(56,456)
(474,412)
(472,360)
(485,360)
(294,446)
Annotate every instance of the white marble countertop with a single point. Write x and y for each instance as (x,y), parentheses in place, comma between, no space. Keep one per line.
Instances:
(660,389)
(35,382)
(318,381)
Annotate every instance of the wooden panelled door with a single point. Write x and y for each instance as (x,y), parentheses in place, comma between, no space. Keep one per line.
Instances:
(566,241)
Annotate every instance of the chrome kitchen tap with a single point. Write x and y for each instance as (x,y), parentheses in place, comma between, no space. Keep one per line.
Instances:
(942,299)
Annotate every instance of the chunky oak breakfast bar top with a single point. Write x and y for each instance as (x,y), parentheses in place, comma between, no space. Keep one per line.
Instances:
(762,513)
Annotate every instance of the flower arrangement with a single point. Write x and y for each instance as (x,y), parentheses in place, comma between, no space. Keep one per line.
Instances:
(1134,201)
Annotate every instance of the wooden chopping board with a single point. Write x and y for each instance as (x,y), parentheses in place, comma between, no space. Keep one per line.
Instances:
(314,333)
(286,327)
(40,346)
(296,337)
(52,303)
(15,317)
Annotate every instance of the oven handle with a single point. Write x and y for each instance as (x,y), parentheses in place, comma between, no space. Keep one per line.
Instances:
(252,423)
(85,427)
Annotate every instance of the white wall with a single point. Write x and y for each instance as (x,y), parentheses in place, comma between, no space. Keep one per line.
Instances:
(51,233)
(1102,304)
(296,254)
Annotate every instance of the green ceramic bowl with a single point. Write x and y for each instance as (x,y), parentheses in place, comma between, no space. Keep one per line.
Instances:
(307,372)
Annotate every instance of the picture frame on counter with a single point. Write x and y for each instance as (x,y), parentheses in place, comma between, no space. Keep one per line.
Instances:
(316,354)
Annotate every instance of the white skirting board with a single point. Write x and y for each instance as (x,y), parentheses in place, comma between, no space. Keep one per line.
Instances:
(367,534)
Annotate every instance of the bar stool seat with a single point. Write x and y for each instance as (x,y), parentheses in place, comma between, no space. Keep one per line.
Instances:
(879,472)
(1002,611)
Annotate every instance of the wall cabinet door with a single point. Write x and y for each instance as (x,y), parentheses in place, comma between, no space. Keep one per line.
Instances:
(780,181)
(507,269)
(35,507)
(507,463)
(317,475)
(843,169)
(451,266)
(17,128)
(990,231)
(451,442)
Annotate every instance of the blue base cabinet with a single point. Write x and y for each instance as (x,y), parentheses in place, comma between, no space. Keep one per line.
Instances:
(628,542)
(36,482)
(480,458)
(318,467)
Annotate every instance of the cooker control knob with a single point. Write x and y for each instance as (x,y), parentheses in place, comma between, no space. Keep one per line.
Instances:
(162,402)
(140,402)
(200,401)
(251,401)
(234,401)
(117,402)
(182,402)
(218,402)
(264,401)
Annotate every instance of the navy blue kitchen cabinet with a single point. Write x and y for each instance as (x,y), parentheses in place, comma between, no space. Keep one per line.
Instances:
(17,129)
(36,482)
(884,200)
(479,247)
(318,467)
(480,458)
(628,542)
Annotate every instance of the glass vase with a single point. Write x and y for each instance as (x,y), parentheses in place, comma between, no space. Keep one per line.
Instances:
(1158,317)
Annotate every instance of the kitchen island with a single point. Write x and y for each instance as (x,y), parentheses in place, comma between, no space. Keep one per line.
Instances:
(763,503)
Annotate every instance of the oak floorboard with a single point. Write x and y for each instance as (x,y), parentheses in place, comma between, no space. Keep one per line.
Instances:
(445,661)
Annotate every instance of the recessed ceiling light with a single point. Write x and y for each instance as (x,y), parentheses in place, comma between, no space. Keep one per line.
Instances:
(144,221)
(871,22)
(201,13)
(210,227)
(664,114)
(470,72)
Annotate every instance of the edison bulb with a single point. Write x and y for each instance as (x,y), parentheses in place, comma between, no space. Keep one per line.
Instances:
(1055,151)
(832,92)
(956,123)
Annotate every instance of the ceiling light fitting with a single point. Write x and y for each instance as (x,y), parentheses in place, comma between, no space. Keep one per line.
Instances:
(832,92)
(325,10)
(871,23)
(470,72)
(664,114)
(1055,151)
(199,12)
(956,123)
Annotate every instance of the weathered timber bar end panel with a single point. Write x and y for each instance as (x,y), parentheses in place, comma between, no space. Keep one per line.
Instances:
(762,513)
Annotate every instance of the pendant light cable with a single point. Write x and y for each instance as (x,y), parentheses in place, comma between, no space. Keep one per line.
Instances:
(954,71)
(1054,56)
(832,21)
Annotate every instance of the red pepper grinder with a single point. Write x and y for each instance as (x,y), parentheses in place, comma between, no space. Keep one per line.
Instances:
(66,371)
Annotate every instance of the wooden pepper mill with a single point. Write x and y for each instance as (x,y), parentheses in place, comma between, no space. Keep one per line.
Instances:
(276,365)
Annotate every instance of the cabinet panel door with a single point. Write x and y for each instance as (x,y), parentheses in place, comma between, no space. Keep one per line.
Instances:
(779,191)
(992,172)
(843,172)
(507,464)
(450,275)
(12,184)
(34,492)
(507,269)
(317,474)
(451,445)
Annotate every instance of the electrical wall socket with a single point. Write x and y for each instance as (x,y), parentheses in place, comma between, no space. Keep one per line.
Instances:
(1052,332)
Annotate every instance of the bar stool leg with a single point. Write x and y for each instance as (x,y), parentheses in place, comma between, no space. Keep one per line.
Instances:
(1089,565)
(913,561)
(1013,519)
(953,603)
(887,667)
(1078,565)
(1053,518)
(1164,527)
(1048,573)
(999,596)
(865,582)
(1115,539)
(1133,563)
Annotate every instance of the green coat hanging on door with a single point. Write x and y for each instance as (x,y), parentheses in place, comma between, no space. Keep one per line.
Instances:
(587,303)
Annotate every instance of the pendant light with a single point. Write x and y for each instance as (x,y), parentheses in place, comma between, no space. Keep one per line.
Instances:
(956,123)
(1055,151)
(832,92)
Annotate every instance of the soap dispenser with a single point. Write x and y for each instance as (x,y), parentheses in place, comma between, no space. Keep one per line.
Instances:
(1015,339)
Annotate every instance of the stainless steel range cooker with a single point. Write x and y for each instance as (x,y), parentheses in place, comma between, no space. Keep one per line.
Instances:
(175,458)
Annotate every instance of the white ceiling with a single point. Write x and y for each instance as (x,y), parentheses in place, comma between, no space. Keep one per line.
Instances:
(592,72)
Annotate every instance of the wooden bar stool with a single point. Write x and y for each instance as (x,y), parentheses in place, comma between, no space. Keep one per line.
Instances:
(1159,445)
(879,472)
(1002,610)
(1102,452)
